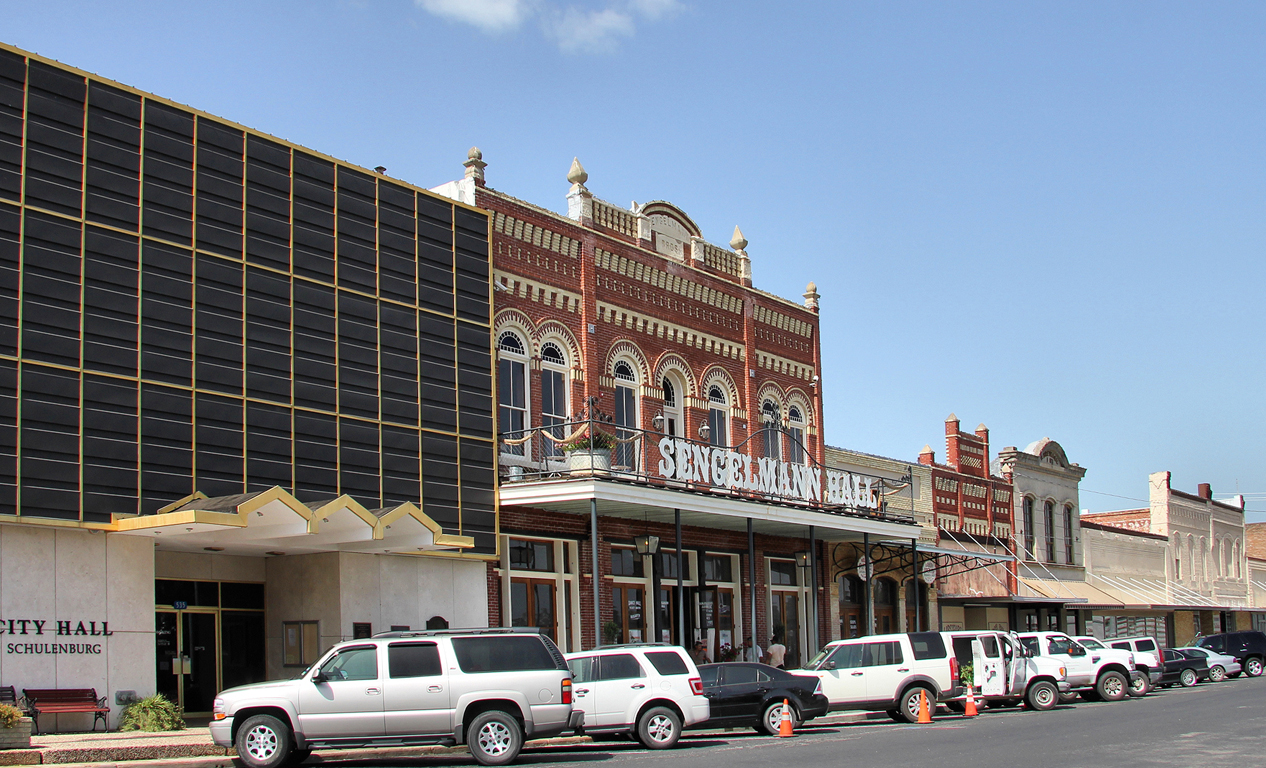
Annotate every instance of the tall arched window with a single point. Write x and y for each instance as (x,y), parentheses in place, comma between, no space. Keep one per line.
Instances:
(554,394)
(1069,552)
(795,430)
(672,406)
(1048,515)
(718,416)
(1028,527)
(512,390)
(625,454)
(771,414)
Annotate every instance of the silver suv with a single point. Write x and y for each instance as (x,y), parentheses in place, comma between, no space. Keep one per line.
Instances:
(486,688)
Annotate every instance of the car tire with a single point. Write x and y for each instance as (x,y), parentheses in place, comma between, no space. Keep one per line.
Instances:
(1138,685)
(1090,695)
(1112,686)
(1232,675)
(909,709)
(771,718)
(1041,696)
(494,737)
(1188,678)
(895,716)
(956,706)
(1216,673)
(263,741)
(1067,698)
(658,728)
(298,756)
(1253,667)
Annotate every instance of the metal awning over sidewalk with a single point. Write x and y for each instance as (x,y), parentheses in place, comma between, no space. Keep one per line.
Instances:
(702,509)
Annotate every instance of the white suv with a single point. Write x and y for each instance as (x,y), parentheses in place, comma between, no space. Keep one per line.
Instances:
(1101,675)
(651,690)
(886,673)
(1147,658)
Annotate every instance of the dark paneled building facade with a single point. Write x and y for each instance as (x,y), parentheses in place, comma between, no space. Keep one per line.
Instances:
(190,306)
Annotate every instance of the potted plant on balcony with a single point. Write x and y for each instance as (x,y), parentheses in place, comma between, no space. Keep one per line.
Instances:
(15,730)
(590,453)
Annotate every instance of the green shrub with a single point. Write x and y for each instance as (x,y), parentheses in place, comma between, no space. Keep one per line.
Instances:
(152,713)
(600,442)
(9,715)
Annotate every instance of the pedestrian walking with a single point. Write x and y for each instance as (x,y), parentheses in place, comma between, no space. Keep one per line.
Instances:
(777,653)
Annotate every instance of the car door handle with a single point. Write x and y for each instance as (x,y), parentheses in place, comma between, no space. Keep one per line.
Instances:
(581,692)
(903,669)
(372,691)
(762,690)
(637,685)
(435,688)
(857,674)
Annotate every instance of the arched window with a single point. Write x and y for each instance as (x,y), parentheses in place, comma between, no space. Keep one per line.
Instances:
(1222,569)
(1235,558)
(672,406)
(512,390)
(885,591)
(1048,510)
(718,416)
(625,454)
(772,417)
(1028,527)
(1069,552)
(554,395)
(795,431)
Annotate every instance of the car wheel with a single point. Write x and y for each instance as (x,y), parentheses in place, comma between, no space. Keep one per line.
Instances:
(1253,667)
(1216,673)
(909,709)
(1188,678)
(1138,684)
(494,737)
(1067,698)
(1090,694)
(658,728)
(298,756)
(895,715)
(1041,696)
(1232,674)
(263,741)
(771,720)
(1112,686)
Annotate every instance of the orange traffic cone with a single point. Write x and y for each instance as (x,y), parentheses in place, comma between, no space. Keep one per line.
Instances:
(784,728)
(970,709)
(925,716)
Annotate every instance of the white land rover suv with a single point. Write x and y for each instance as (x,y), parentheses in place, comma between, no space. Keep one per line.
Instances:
(486,688)
(651,690)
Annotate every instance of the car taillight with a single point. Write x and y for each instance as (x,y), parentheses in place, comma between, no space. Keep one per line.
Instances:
(953,670)
(696,686)
(567,690)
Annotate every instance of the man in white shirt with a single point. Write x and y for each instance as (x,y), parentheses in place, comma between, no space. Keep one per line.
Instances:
(752,652)
(777,654)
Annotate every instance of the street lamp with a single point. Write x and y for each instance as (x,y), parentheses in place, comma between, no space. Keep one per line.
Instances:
(705,431)
(802,559)
(646,544)
(658,422)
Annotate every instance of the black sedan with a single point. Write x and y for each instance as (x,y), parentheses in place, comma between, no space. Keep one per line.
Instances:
(743,693)
(1183,670)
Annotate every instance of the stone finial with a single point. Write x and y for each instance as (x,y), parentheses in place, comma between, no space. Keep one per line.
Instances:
(811,296)
(738,242)
(475,165)
(951,417)
(576,174)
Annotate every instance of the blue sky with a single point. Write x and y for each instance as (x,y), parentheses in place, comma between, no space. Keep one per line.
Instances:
(1047,217)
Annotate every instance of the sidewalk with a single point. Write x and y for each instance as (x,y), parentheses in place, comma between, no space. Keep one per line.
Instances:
(192,748)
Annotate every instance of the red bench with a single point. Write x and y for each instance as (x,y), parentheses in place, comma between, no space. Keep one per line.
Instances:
(56,701)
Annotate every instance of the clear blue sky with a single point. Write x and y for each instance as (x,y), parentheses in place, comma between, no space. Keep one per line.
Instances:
(1047,217)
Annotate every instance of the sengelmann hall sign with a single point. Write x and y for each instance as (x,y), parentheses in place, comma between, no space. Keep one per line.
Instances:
(726,468)
(57,628)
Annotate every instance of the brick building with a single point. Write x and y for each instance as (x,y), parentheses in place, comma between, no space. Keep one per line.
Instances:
(648,391)
(976,586)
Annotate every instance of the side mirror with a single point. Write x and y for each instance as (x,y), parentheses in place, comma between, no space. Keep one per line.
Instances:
(320,677)
(1076,650)
(828,665)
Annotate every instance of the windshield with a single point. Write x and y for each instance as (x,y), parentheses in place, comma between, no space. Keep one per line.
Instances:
(821,657)
(1091,643)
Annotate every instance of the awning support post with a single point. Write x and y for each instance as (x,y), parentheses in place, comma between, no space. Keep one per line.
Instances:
(914,554)
(867,573)
(751,578)
(597,602)
(813,591)
(681,589)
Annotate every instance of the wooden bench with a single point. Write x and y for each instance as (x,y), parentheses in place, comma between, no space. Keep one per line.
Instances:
(9,696)
(57,701)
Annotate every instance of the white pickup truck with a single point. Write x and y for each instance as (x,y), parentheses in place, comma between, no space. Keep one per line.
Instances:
(1101,675)
(1005,673)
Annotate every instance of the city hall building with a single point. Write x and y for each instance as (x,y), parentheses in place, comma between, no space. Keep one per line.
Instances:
(246,399)
(662,471)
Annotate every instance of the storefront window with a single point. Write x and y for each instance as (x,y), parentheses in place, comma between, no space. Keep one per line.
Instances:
(626,562)
(851,597)
(302,644)
(627,618)
(668,564)
(532,605)
(526,555)
(717,568)
(782,573)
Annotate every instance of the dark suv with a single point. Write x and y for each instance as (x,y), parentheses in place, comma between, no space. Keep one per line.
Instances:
(1248,647)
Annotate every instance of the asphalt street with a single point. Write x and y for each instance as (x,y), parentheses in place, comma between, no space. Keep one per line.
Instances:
(1217,724)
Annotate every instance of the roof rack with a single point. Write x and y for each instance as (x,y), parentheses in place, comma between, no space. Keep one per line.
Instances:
(637,645)
(471,631)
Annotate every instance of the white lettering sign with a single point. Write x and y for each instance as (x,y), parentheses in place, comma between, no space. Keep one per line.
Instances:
(724,468)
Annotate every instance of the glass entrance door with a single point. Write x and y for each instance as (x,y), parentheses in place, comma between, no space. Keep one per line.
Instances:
(187,658)
(786,625)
